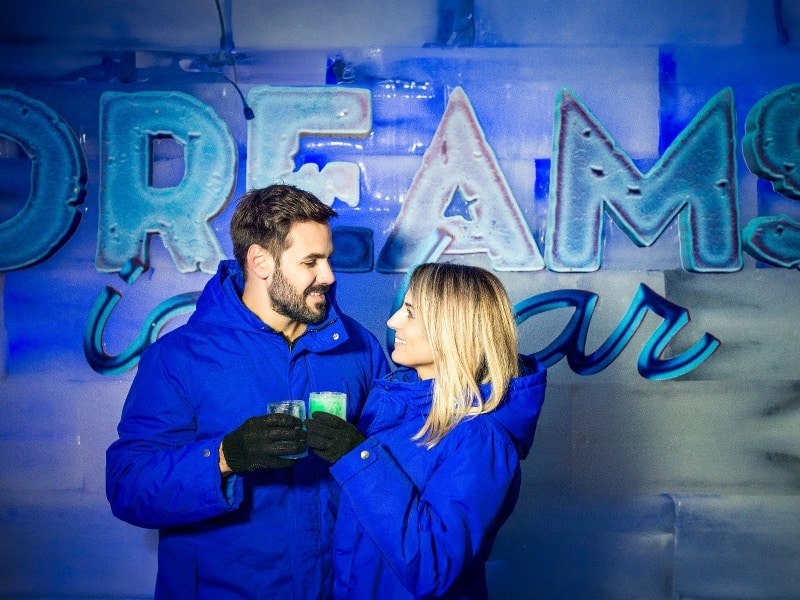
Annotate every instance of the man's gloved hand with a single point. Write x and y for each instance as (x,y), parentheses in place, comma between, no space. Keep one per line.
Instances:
(261,442)
(331,437)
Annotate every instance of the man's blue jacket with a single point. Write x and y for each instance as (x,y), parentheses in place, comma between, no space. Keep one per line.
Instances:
(267,534)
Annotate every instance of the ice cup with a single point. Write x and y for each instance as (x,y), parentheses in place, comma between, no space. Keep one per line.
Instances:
(334,403)
(296,408)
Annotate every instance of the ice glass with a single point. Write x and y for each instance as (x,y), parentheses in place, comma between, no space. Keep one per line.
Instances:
(296,408)
(334,403)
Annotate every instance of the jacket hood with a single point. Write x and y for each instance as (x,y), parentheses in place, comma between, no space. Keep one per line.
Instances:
(221,302)
(518,413)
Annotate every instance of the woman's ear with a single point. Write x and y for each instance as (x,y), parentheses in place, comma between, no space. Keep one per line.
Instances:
(260,262)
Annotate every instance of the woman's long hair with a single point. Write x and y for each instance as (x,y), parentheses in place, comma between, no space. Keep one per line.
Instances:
(468,318)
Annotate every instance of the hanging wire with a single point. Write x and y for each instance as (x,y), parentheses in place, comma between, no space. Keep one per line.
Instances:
(226,47)
(221,26)
(783,33)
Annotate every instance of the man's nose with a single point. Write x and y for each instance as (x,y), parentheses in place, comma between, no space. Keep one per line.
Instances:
(325,275)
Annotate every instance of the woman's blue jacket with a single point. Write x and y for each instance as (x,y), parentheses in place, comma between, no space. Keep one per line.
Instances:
(419,523)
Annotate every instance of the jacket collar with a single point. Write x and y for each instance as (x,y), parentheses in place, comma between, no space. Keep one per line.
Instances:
(221,303)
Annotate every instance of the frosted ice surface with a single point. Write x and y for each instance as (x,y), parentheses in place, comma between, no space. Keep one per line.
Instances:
(737,547)
(284,115)
(459,164)
(179,214)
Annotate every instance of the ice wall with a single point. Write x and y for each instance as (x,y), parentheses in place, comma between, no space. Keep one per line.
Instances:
(627,168)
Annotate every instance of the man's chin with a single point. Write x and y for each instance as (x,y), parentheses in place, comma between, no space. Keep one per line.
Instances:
(318,310)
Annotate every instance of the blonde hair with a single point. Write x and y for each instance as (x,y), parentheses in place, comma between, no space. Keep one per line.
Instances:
(468,319)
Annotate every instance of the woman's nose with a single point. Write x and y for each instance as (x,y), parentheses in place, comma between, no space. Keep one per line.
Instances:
(392,322)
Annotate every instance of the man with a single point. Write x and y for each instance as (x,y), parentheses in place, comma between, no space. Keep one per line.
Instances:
(197,455)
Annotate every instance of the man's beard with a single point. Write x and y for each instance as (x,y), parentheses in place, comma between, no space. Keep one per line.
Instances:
(287,302)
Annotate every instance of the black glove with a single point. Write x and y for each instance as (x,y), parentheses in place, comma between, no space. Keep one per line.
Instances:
(331,437)
(261,442)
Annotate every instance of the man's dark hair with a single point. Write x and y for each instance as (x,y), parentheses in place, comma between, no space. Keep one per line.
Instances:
(265,216)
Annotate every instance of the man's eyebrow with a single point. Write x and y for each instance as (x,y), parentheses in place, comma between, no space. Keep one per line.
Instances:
(316,255)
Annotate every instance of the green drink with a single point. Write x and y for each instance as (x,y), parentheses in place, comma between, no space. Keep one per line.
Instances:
(334,403)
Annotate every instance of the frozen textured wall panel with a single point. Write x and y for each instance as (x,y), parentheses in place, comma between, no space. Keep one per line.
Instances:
(751,313)
(60,537)
(513,90)
(548,468)
(692,437)
(650,22)
(53,433)
(185,24)
(322,24)
(88,25)
(561,546)
(737,548)
(3,333)
(99,408)
(39,440)
(371,314)
(42,464)
(74,548)
(282,67)
(47,325)
(751,71)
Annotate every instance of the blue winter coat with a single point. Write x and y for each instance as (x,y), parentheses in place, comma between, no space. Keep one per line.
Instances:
(262,535)
(419,523)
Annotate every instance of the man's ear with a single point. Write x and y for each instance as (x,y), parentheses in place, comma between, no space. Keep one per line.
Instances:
(260,262)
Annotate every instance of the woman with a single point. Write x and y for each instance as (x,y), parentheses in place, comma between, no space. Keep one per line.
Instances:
(432,472)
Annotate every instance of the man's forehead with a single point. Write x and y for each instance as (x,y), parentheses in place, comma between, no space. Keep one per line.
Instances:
(309,239)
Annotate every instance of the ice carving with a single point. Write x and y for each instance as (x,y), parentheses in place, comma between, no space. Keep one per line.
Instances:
(284,114)
(774,240)
(354,249)
(93,349)
(131,210)
(459,163)
(51,213)
(771,144)
(695,178)
(571,342)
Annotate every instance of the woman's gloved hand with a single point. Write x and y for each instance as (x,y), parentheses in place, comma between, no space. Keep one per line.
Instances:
(331,437)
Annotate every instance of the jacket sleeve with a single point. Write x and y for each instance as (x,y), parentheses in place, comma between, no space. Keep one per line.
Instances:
(158,474)
(429,536)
